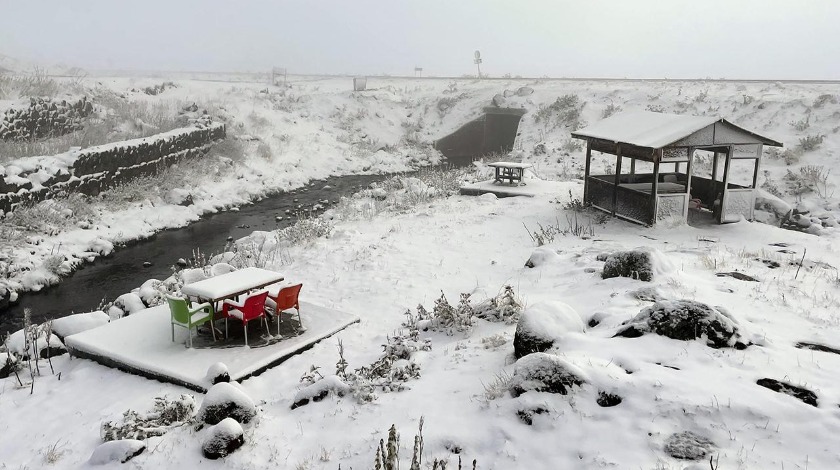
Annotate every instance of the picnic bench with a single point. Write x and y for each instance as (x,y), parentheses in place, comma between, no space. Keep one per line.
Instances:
(509,171)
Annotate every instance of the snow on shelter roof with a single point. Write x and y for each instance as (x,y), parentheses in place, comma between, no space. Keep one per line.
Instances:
(652,130)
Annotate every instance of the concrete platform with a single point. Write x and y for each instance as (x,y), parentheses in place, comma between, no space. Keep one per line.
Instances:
(142,344)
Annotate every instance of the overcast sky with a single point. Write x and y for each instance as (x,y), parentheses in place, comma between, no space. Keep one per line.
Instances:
(774,39)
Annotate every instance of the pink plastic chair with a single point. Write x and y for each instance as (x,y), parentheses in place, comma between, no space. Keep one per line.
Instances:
(250,308)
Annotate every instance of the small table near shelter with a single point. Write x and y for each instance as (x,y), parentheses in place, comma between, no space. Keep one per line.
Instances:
(510,171)
(232,284)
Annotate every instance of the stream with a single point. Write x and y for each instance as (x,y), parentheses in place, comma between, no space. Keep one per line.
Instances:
(127,268)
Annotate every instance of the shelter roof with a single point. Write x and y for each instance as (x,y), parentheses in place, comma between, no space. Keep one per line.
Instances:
(657,130)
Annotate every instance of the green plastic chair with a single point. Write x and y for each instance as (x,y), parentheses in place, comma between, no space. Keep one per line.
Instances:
(190,317)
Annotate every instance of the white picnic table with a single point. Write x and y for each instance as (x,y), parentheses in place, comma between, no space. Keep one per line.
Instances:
(511,171)
(231,284)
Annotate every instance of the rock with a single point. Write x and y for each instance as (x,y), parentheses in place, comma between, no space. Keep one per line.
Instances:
(224,438)
(800,393)
(527,415)
(540,256)
(225,400)
(688,446)
(524,91)
(738,276)
(117,451)
(685,320)
(541,372)
(217,373)
(509,93)
(499,100)
(319,390)
(641,263)
(607,400)
(147,264)
(817,347)
(647,294)
(9,365)
(541,324)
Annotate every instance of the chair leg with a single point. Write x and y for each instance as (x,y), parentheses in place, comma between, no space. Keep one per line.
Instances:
(227,336)
(173,331)
(245,327)
(300,322)
(212,330)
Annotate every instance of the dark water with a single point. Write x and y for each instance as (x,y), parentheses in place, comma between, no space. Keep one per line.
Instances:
(123,271)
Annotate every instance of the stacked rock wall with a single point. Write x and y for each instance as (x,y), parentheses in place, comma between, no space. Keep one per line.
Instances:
(95,169)
(44,118)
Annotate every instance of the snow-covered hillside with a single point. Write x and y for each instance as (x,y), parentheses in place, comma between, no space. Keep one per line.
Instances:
(379,264)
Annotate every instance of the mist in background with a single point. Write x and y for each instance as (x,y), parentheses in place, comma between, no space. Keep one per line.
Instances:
(771,39)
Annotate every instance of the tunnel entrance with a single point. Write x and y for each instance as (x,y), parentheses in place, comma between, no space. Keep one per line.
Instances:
(493,132)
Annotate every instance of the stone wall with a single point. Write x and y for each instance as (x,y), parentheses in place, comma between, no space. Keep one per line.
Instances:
(44,118)
(96,169)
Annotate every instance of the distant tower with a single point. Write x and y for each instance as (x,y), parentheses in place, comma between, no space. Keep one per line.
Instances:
(478,62)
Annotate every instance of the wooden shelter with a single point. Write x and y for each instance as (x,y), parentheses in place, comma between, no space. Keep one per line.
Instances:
(658,139)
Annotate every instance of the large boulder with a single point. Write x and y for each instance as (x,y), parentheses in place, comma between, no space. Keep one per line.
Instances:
(685,320)
(541,372)
(641,263)
(226,400)
(541,324)
(117,451)
(224,438)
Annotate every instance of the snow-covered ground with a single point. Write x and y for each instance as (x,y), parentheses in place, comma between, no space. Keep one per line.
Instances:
(377,265)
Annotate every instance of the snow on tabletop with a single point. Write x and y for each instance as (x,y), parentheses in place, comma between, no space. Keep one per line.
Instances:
(231,283)
(646,128)
(143,341)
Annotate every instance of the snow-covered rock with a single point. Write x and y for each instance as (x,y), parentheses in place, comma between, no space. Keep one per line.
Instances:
(643,263)
(224,438)
(541,372)
(225,400)
(77,323)
(687,445)
(117,451)
(217,373)
(319,390)
(685,320)
(540,256)
(130,303)
(541,324)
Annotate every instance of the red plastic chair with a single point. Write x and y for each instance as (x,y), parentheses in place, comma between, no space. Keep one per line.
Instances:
(252,307)
(285,299)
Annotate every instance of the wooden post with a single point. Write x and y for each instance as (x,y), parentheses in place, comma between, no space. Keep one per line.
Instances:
(757,165)
(586,171)
(633,168)
(714,175)
(617,177)
(654,188)
(688,180)
(725,182)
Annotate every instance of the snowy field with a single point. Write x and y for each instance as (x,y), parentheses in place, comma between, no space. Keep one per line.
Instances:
(377,264)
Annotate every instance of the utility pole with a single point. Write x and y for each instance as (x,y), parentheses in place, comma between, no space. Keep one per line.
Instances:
(478,63)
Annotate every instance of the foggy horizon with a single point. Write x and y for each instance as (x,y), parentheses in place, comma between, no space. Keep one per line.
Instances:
(750,39)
